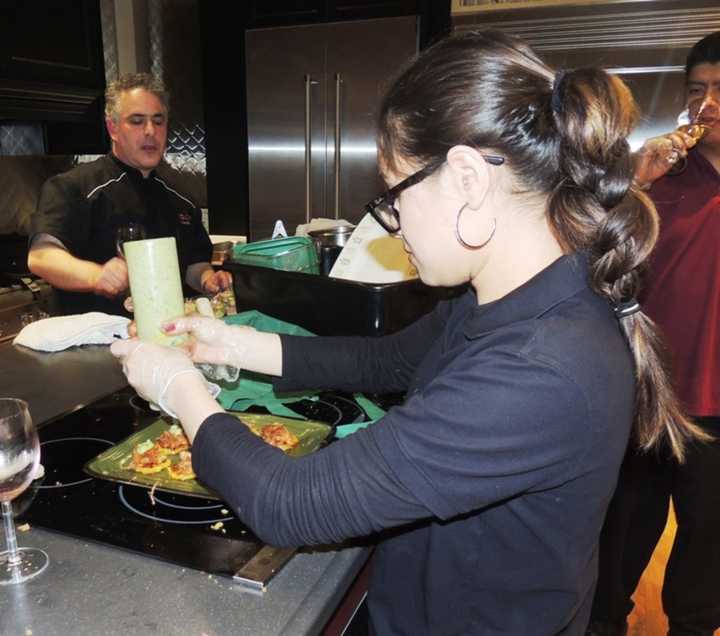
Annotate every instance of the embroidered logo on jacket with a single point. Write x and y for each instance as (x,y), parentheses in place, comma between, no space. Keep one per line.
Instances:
(185,218)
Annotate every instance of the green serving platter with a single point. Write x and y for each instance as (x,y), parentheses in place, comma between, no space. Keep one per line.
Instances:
(113,464)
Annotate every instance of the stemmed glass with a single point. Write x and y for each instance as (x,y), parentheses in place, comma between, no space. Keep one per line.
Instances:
(19,457)
(697,127)
(131,231)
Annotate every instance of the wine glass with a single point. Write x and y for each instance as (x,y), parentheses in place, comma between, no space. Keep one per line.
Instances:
(131,231)
(19,457)
(697,127)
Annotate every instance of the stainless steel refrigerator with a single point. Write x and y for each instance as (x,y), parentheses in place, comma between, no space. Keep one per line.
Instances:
(313,93)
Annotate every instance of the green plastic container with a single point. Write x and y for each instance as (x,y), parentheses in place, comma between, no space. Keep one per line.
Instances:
(292,254)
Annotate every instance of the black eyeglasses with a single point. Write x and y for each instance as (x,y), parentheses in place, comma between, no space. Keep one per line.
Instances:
(383,208)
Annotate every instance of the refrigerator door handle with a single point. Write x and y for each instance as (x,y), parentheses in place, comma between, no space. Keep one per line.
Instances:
(308,146)
(338,136)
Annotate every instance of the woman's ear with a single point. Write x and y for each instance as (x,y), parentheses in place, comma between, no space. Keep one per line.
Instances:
(470,175)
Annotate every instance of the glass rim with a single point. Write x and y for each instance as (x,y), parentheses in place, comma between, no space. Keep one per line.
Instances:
(23,404)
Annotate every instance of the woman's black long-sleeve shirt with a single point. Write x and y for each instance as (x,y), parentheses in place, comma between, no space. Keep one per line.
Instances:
(490,482)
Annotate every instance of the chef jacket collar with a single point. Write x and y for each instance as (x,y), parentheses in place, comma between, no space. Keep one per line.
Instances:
(562,279)
(134,172)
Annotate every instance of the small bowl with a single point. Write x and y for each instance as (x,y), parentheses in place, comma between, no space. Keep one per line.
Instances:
(331,237)
(329,244)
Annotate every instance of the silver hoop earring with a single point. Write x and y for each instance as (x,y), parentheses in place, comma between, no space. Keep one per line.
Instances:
(462,241)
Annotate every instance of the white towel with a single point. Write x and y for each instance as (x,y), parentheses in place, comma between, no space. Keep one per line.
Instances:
(62,332)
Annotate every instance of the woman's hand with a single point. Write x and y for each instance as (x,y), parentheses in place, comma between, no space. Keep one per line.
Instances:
(167,377)
(215,342)
(151,368)
(659,154)
(212,340)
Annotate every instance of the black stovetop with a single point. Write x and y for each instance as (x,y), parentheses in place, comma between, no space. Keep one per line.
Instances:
(193,532)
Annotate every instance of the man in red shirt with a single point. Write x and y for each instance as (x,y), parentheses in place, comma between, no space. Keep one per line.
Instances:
(682,295)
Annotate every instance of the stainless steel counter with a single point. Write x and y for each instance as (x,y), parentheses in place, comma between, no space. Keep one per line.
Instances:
(91,590)
(56,383)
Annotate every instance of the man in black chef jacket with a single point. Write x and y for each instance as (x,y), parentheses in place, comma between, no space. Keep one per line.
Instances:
(75,229)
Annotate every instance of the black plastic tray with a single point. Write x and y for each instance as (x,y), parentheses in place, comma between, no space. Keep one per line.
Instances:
(333,306)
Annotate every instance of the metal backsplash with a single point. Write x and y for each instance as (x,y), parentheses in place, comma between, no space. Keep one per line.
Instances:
(21,139)
(175,56)
(20,180)
(109,38)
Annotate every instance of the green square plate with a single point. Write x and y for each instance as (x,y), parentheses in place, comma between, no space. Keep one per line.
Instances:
(113,463)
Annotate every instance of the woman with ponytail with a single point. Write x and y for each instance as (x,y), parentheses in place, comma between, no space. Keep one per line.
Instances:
(486,489)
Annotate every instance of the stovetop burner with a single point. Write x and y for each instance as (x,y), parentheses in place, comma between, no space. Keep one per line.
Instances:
(64,458)
(177,509)
(193,532)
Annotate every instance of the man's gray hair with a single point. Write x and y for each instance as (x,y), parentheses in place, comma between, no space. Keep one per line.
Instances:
(128,82)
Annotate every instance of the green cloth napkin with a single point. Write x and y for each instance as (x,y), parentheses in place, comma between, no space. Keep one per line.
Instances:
(263,322)
(254,389)
(372,410)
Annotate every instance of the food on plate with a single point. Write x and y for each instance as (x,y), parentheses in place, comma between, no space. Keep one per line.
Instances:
(147,458)
(150,456)
(171,450)
(172,441)
(182,469)
(277,435)
(221,304)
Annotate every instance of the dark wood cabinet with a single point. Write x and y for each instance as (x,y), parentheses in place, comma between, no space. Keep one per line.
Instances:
(357,10)
(52,71)
(52,43)
(282,12)
(263,13)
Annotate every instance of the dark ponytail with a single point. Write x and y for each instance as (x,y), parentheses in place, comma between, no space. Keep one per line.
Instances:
(596,208)
(563,135)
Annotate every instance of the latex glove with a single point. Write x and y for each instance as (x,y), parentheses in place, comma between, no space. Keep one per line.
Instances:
(215,281)
(214,341)
(151,369)
(112,278)
(659,154)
